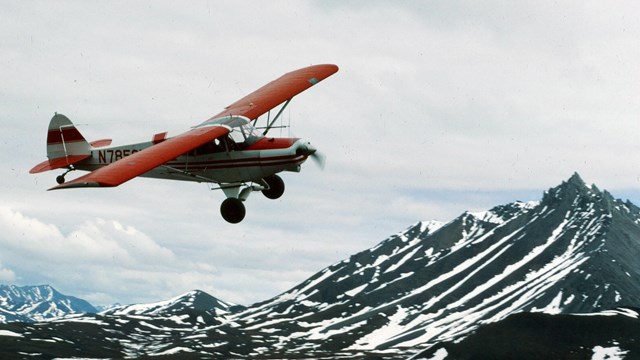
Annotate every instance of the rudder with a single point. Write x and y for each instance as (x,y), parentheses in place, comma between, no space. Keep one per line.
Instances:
(64,140)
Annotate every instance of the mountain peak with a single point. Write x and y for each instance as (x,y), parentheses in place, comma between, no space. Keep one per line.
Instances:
(193,300)
(569,190)
(575,179)
(575,182)
(36,303)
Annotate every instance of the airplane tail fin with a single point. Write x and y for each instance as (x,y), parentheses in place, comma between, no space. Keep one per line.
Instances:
(65,145)
(64,140)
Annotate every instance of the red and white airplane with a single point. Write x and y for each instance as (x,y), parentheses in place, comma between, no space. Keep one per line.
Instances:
(226,150)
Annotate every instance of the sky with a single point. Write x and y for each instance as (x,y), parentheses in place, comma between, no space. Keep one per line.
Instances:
(438,108)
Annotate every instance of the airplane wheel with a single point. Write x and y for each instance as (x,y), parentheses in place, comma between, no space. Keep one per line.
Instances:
(232,210)
(60,179)
(276,187)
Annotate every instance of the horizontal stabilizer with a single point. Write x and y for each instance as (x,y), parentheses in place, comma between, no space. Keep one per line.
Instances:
(100,143)
(58,163)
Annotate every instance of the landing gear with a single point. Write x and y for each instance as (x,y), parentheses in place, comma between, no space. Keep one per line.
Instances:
(232,210)
(60,178)
(276,187)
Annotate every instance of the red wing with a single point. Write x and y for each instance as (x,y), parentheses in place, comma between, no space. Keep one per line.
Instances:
(139,163)
(278,91)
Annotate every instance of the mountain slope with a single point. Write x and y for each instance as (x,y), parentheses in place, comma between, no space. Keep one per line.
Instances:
(37,303)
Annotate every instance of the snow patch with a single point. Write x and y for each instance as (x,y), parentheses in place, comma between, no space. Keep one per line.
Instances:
(173,351)
(440,354)
(608,353)
(488,216)
(432,226)
(384,333)
(357,290)
(568,300)
(403,260)
(9,333)
(553,307)
(620,311)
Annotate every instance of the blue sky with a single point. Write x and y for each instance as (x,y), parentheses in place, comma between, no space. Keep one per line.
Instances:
(438,108)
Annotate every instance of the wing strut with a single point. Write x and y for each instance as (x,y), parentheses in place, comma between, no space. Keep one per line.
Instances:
(269,125)
(187,174)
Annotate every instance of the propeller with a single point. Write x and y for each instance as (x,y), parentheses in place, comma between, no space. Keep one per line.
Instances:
(307,149)
(319,158)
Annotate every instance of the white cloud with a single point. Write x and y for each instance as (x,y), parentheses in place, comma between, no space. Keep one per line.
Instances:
(6,275)
(95,241)
(97,256)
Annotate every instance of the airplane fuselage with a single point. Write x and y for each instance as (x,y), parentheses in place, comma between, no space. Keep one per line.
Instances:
(213,163)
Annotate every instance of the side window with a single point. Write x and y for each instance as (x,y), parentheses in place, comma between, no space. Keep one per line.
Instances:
(209,148)
(231,143)
(217,145)
(237,135)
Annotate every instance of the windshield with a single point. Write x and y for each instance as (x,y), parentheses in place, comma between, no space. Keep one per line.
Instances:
(242,132)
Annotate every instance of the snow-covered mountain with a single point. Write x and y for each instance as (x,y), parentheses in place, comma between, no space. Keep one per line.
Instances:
(574,251)
(192,301)
(37,303)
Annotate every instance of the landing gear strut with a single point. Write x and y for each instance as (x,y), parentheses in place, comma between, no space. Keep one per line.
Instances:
(233,210)
(60,178)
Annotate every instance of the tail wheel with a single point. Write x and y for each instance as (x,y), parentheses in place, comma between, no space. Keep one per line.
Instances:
(60,178)
(232,210)
(276,187)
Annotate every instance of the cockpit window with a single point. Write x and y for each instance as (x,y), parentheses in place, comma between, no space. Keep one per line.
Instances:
(242,132)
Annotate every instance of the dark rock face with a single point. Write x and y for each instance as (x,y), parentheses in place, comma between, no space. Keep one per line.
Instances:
(544,336)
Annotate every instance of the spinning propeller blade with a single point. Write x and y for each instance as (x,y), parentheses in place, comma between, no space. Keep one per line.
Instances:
(312,152)
(319,158)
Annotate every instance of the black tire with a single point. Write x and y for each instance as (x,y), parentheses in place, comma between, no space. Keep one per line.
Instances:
(60,179)
(232,210)
(276,187)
